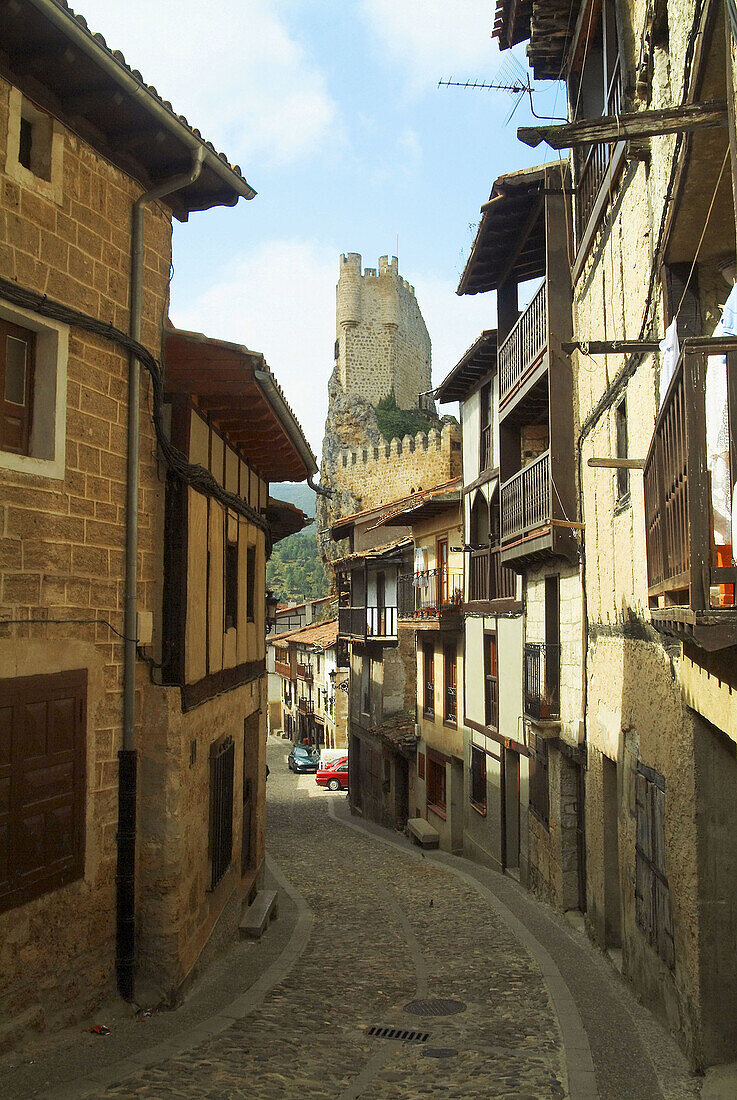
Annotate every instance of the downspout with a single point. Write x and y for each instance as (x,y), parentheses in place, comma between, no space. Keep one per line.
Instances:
(127,756)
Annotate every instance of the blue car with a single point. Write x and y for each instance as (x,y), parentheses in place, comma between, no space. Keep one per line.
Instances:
(303,759)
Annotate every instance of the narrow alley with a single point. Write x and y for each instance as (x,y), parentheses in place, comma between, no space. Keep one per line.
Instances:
(517,1003)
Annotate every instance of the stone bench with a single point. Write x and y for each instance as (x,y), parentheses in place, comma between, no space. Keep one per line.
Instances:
(422,832)
(263,909)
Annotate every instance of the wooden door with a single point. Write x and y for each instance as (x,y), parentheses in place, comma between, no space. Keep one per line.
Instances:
(441,566)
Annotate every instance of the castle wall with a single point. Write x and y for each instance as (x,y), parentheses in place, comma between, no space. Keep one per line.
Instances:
(395,469)
(381,339)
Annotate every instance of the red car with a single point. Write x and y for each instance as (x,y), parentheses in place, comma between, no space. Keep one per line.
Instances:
(335,776)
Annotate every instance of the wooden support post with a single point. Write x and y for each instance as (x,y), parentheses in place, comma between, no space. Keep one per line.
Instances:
(610,129)
(699,497)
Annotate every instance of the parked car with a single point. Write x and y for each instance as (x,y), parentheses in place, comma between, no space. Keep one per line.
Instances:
(334,776)
(303,759)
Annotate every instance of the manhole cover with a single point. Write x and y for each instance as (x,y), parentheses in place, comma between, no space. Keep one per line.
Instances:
(435,1006)
(404,1035)
(439,1052)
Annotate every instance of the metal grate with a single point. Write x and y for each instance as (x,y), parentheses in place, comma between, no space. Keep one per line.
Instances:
(222,757)
(379,1031)
(439,1052)
(435,1006)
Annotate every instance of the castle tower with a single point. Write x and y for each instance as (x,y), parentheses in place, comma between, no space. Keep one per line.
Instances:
(382,342)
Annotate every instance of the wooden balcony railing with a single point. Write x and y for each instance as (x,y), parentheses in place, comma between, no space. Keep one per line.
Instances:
(304,672)
(367,622)
(542,680)
(523,346)
(488,579)
(686,570)
(283,669)
(426,595)
(526,499)
(592,161)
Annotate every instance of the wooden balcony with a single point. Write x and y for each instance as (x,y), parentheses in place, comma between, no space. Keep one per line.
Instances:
(595,167)
(306,706)
(283,669)
(534,525)
(488,580)
(304,672)
(691,581)
(431,599)
(523,350)
(367,623)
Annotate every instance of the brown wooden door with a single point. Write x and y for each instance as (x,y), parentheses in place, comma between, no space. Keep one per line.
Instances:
(42,784)
(441,563)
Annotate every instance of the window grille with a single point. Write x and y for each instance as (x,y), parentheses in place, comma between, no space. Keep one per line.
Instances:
(451,706)
(222,760)
(231,585)
(478,778)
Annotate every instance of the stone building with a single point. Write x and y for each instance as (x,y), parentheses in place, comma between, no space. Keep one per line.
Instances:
(131,674)
(381,341)
(652,245)
(311,706)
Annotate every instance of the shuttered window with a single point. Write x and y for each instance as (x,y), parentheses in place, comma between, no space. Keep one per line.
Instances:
(436,796)
(652,893)
(17,351)
(42,784)
(478,779)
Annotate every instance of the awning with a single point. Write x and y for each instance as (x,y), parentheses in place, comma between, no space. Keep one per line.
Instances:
(470,369)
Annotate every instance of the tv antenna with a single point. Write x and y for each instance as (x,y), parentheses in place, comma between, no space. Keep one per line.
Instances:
(512,79)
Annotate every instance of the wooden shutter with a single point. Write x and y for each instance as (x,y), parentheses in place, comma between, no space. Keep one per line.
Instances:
(17,355)
(42,784)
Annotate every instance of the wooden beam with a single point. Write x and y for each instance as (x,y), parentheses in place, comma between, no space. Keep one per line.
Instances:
(610,347)
(630,124)
(617,463)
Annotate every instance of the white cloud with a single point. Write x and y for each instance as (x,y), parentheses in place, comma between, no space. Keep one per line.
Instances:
(433,38)
(278,299)
(232,68)
(453,322)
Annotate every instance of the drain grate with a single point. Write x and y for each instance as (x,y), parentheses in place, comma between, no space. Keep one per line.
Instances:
(439,1052)
(402,1034)
(435,1006)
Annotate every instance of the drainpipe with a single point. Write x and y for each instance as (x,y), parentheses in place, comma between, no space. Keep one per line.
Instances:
(127,756)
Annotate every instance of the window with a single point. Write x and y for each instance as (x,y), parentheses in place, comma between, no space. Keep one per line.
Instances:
(538,778)
(42,784)
(623,476)
(230,592)
(366,684)
(222,760)
(35,135)
(17,354)
(428,664)
(420,765)
(436,783)
(34,154)
(449,663)
(491,687)
(478,779)
(652,893)
(485,452)
(251,584)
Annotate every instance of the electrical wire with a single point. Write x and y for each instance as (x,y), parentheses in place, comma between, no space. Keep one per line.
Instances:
(65,622)
(189,473)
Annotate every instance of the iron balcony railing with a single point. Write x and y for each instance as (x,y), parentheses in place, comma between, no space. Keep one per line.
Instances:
(428,702)
(542,680)
(304,672)
(306,706)
(451,714)
(526,499)
(427,594)
(367,622)
(522,347)
(491,702)
(592,162)
(684,566)
(488,579)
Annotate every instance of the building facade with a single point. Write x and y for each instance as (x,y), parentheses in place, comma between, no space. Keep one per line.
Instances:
(312,704)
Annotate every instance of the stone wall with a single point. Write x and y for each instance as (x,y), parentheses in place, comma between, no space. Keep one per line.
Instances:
(382,340)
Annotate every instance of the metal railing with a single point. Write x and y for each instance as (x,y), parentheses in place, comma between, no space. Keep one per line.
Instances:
(683,566)
(222,760)
(451,709)
(428,701)
(542,680)
(491,702)
(306,706)
(488,579)
(592,161)
(485,452)
(425,595)
(524,344)
(526,499)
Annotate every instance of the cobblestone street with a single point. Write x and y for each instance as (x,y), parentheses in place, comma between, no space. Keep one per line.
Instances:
(368,926)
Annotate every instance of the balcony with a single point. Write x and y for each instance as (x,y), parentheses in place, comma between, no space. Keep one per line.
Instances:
(542,681)
(304,672)
(306,706)
(488,579)
(283,668)
(522,352)
(595,166)
(368,623)
(691,580)
(433,598)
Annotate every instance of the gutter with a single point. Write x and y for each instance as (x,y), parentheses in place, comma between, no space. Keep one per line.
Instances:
(127,755)
(275,397)
(131,86)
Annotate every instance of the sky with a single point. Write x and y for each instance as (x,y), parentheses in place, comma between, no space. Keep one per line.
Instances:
(332,110)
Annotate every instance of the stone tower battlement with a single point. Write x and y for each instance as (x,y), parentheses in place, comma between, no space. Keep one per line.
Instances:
(382,343)
(395,468)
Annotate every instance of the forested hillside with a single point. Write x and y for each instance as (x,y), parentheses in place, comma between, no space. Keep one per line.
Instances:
(295,572)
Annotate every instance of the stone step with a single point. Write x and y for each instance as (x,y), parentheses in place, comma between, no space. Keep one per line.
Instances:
(423,832)
(256,917)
